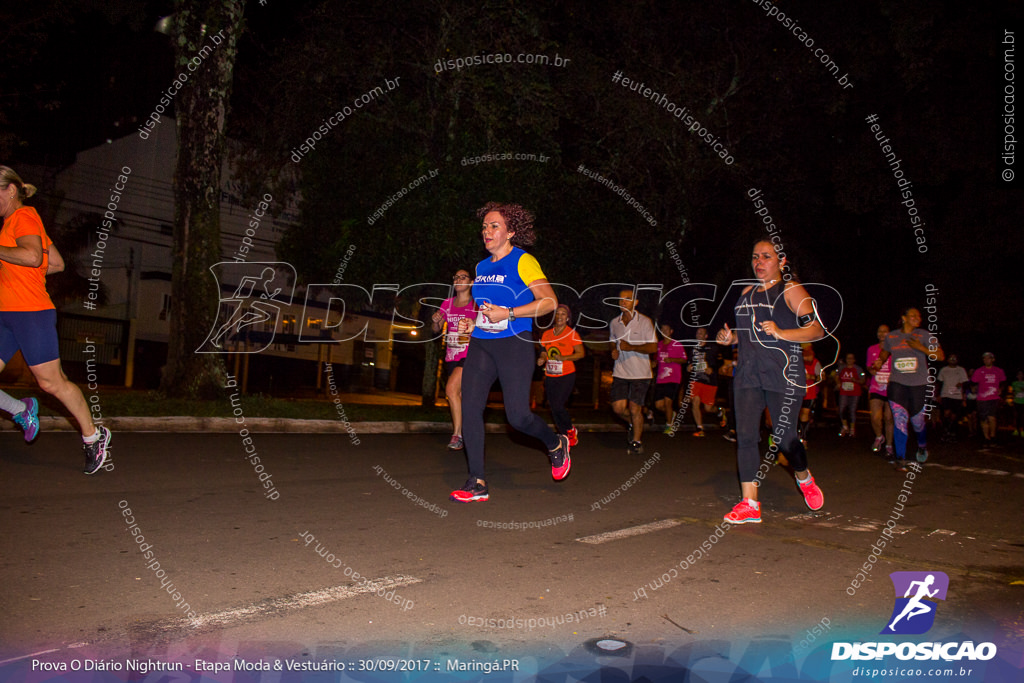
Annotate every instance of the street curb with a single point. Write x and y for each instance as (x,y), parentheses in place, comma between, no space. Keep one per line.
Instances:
(269,425)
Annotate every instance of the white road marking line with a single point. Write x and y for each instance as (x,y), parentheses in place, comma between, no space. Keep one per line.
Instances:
(268,607)
(290,602)
(629,531)
(34,654)
(973,470)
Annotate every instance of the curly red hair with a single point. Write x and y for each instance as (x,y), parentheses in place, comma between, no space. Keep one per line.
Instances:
(518,220)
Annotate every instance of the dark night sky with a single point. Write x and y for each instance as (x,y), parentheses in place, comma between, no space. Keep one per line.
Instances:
(932,72)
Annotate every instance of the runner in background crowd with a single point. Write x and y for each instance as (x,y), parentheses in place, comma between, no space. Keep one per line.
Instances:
(850,382)
(909,347)
(671,356)
(561,346)
(971,406)
(878,401)
(632,333)
(813,375)
(448,316)
(725,375)
(706,359)
(990,381)
(953,378)
(1018,404)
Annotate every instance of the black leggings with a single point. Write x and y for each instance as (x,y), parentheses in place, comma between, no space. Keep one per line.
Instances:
(785,411)
(558,391)
(510,360)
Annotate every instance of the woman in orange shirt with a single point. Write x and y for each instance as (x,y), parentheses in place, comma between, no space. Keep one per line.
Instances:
(28,319)
(561,346)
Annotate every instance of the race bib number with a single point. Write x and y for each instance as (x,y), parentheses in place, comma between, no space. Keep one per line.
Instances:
(487,326)
(847,386)
(700,367)
(554,367)
(882,378)
(906,365)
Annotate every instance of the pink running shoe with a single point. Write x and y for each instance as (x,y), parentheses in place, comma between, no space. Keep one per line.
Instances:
(813,496)
(744,513)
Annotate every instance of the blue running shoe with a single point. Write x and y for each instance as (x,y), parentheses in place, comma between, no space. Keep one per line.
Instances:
(28,419)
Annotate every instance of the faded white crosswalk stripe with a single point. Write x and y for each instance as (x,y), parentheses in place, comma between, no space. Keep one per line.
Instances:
(845,522)
(290,602)
(629,531)
(974,470)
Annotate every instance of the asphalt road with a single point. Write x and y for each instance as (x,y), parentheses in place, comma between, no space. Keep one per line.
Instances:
(264,576)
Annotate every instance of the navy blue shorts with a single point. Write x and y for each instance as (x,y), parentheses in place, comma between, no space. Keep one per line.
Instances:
(34,332)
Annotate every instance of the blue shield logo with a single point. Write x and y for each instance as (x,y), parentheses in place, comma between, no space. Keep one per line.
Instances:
(917,594)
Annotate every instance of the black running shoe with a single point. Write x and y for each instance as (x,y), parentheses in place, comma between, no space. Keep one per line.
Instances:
(96,452)
(561,463)
(636,448)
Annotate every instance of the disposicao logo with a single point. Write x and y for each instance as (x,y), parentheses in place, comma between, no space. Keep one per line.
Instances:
(914,612)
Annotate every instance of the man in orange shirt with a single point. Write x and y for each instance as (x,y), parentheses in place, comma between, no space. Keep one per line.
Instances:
(28,319)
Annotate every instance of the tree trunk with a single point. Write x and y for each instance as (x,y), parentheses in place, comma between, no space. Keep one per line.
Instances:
(205,36)
(432,354)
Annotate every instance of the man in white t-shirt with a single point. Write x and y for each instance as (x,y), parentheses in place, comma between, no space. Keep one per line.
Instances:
(952,377)
(633,336)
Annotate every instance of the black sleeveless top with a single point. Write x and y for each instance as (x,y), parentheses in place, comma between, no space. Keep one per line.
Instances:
(765,362)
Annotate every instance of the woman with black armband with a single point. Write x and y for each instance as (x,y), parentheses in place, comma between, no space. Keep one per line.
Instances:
(510,290)
(773,318)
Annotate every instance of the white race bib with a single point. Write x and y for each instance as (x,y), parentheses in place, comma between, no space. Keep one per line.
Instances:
(487,326)
(554,367)
(906,365)
(847,386)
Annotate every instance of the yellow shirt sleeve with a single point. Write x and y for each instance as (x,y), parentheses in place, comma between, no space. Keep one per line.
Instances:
(529,269)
